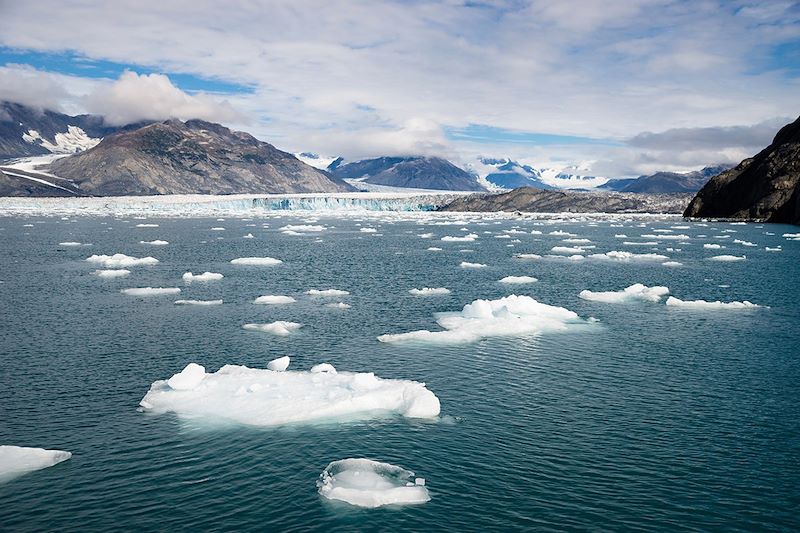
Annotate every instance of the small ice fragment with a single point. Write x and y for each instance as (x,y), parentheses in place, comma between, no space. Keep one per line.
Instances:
(280,364)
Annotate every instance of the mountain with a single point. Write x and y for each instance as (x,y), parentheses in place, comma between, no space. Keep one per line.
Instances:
(763,187)
(667,182)
(505,173)
(25,131)
(193,157)
(508,174)
(315,160)
(528,199)
(415,172)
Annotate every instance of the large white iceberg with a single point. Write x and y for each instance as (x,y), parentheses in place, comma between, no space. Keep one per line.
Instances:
(637,291)
(728,258)
(371,484)
(517,280)
(262,397)
(16,460)
(510,316)
(121,260)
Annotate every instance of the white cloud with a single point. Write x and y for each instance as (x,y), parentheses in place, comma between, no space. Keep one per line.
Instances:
(134,97)
(31,87)
(372,78)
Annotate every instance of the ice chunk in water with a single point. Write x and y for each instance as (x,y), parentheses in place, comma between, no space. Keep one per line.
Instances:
(280,364)
(121,260)
(205,276)
(518,280)
(371,484)
(256,261)
(709,306)
(150,291)
(429,291)
(274,299)
(17,460)
(262,397)
(279,327)
(112,273)
(637,291)
(188,378)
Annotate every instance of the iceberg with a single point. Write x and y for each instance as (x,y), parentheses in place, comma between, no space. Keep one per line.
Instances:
(150,291)
(370,484)
(727,258)
(16,460)
(156,242)
(467,264)
(509,316)
(198,302)
(627,257)
(429,291)
(262,397)
(271,299)
(327,292)
(338,305)
(112,273)
(637,291)
(121,260)
(280,364)
(256,261)
(517,280)
(205,276)
(281,328)
(709,306)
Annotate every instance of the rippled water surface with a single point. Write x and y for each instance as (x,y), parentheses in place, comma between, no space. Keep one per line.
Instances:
(653,418)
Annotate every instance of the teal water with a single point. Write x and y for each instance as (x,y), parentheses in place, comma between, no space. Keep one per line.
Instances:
(652,419)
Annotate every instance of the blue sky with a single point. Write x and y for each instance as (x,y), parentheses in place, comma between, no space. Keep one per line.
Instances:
(621,87)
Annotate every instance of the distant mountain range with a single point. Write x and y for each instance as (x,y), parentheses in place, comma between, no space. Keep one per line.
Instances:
(171,157)
(666,182)
(408,172)
(763,187)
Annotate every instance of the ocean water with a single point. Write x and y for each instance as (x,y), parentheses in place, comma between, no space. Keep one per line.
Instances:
(652,418)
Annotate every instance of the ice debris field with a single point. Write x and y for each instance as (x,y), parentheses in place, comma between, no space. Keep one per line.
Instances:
(280,394)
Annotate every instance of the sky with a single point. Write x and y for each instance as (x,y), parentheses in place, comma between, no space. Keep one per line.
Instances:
(619,88)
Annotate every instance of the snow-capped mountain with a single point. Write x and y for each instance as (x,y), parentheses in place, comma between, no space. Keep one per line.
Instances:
(416,172)
(505,173)
(320,162)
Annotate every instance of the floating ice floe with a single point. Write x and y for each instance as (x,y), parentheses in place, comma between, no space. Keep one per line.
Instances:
(567,250)
(188,378)
(429,291)
(281,328)
(323,367)
(327,292)
(528,256)
(248,236)
(728,258)
(17,460)
(297,229)
(637,291)
(434,249)
(576,241)
(146,225)
(510,316)
(371,484)
(627,257)
(218,229)
(280,364)
(112,273)
(256,261)
(712,246)
(466,238)
(71,243)
(150,291)
(672,264)
(704,305)
(368,230)
(274,299)
(121,260)
(198,302)
(338,305)
(156,242)
(768,249)
(744,243)
(205,276)
(467,264)
(517,280)
(262,397)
